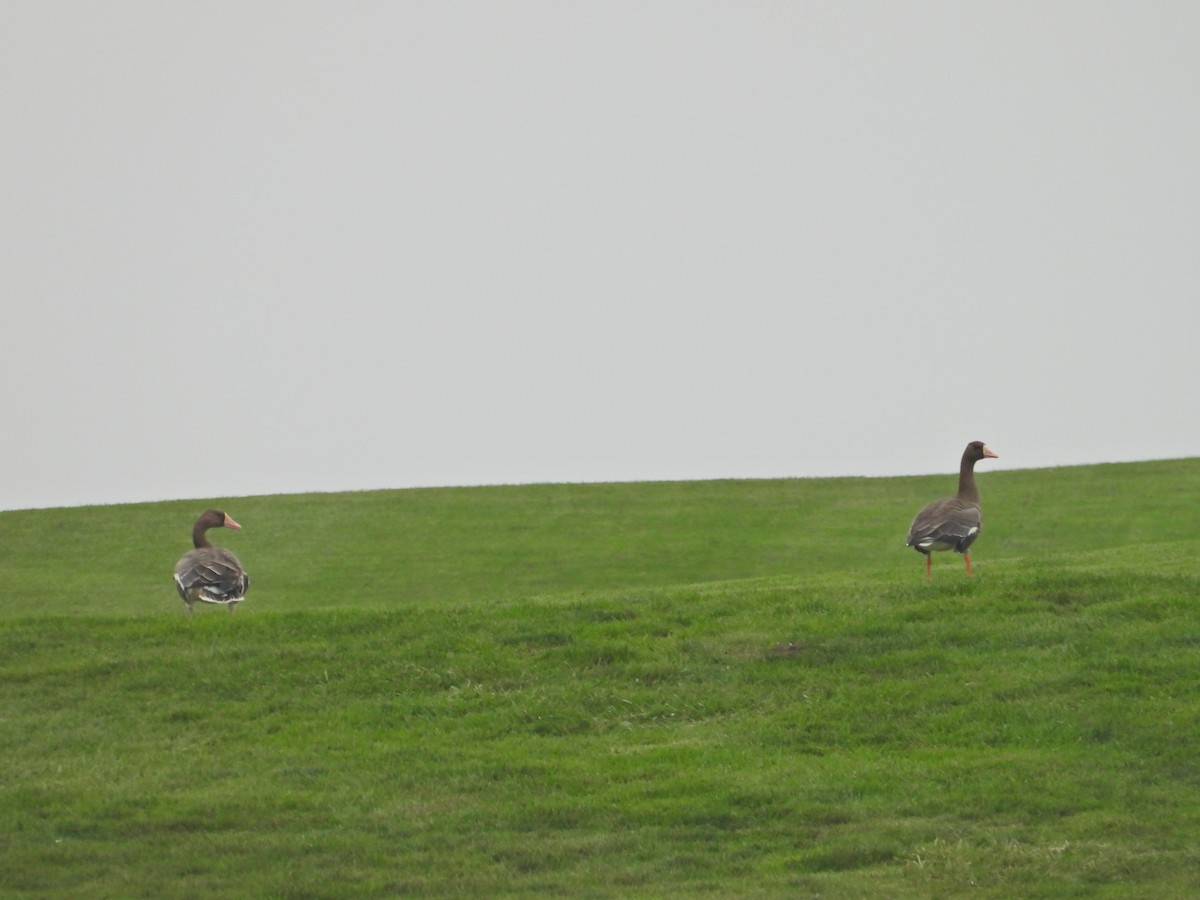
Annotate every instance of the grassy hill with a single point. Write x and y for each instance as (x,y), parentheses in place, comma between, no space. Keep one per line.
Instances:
(737,688)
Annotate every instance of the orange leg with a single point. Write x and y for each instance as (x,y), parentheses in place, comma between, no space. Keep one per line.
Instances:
(967,557)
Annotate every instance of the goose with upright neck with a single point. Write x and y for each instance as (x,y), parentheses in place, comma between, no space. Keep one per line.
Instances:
(211,574)
(954,522)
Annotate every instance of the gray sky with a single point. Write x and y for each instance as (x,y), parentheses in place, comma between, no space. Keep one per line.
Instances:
(251,247)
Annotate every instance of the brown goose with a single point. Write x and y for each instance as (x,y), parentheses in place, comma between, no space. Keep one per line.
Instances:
(955,522)
(211,574)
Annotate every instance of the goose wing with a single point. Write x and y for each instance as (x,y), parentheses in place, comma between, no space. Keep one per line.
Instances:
(213,574)
(944,525)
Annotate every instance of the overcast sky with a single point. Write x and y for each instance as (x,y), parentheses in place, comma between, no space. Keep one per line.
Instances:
(252,247)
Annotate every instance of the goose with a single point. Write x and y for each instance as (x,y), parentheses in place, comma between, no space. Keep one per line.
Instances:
(211,574)
(954,522)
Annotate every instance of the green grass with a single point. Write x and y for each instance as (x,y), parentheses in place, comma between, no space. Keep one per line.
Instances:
(741,688)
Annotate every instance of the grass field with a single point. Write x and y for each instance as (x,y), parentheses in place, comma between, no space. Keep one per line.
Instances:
(726,689)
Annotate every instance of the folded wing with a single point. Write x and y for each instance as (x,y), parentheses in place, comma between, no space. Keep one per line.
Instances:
(950,524)
(211,575)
